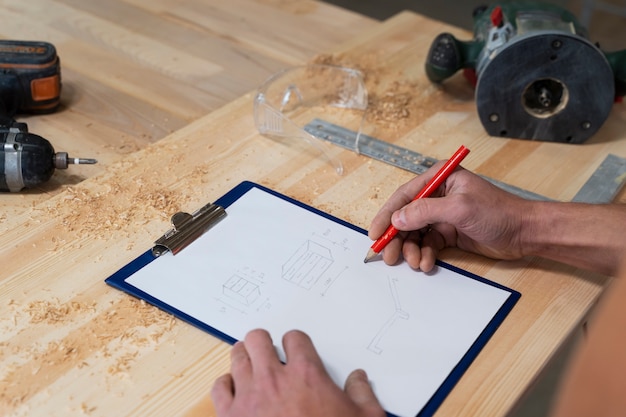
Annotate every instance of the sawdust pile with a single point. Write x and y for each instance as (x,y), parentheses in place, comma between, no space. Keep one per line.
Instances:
(51,312)
(100,216)
(369,65)
(393,106)
(395,101)
(96,214)
(112,338)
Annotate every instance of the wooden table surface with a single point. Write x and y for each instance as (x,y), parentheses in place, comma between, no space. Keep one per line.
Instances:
(140,78)
(134,71)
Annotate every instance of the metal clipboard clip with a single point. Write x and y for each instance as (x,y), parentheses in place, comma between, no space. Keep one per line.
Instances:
(188,227)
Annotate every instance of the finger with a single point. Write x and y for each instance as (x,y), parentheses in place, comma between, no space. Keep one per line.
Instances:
(432,243)
(401,197)
(382,220)
(299,348)
(406,193)
(423,212)
(261,350)
(412,252)
(358,388)
(428,258)
(222,393)
(393,250)
(240,365)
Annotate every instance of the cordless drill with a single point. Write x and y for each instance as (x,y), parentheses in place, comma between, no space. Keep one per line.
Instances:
(30,82)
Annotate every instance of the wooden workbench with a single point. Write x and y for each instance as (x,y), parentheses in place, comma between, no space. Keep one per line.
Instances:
(136,71)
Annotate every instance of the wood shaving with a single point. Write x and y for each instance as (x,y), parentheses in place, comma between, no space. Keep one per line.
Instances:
(122,364)
(85,409)
(393,105)
(96,214)
(51,312)
(128,322)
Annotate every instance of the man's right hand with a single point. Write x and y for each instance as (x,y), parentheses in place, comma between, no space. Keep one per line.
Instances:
(466,211)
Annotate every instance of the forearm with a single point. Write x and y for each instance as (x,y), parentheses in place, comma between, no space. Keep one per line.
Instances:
(588,236)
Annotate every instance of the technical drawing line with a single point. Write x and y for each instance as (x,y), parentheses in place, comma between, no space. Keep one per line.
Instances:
(241,290)
(374,345)
(330,281)
(307,264)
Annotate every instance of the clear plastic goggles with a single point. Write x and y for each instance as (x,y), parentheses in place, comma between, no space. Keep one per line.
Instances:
(290,99)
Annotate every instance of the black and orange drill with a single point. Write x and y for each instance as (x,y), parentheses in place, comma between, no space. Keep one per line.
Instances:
(30,83)
(30,80)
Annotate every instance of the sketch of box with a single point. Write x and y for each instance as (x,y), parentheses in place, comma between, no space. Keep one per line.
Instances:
(307,264)
(241,290)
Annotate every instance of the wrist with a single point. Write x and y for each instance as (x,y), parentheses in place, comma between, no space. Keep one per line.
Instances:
(534,233)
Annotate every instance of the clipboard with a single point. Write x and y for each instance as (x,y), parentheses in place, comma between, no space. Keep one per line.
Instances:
(257,258)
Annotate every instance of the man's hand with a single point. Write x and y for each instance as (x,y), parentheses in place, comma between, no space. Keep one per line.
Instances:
(474,215)
(259,385)
(466,211)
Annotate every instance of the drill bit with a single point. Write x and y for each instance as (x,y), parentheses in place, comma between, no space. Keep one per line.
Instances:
(61,160)
(90,161)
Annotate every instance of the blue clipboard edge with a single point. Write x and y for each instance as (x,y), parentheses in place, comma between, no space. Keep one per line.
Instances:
(118,280)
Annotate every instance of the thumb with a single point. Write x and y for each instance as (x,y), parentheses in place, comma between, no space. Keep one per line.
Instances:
(423,212)
(358,388)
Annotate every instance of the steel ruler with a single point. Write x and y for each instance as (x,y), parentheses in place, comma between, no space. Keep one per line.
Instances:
(601,187)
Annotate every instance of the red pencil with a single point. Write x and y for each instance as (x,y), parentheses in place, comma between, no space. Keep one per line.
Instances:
(428,189)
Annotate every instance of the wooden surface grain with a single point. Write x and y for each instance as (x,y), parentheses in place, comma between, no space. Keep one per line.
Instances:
(134,71)
(70,345)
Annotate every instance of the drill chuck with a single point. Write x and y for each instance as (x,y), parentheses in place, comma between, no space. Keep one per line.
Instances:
(62,159)
(28,160)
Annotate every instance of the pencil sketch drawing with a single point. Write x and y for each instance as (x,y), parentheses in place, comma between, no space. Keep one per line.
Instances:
(242,290)
(328,282)
(398,313)
(307,264)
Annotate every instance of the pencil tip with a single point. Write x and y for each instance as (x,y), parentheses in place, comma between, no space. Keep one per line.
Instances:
(369,256)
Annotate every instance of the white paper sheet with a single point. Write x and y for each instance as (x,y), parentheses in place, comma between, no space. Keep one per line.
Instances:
(275,265)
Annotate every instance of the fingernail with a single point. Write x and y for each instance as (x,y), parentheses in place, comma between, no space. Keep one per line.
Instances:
(399,218)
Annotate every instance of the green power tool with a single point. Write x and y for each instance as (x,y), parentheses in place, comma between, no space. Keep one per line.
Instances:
(536,74)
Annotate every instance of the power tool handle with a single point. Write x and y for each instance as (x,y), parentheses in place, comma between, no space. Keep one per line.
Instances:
(447,55)
(617,60)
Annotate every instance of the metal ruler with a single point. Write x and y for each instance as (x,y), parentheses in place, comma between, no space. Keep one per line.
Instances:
(602,187)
